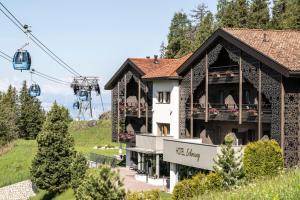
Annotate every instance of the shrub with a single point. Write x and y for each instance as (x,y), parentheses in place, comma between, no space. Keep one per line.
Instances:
(198,184)
(106,184)
(78,169)
(214,181)
(183,190)
(150,195)
(262,158)
(228,164)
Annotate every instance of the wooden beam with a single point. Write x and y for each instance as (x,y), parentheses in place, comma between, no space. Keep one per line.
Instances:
(240,89)
(259,102)
(192,106)
(146,105)
(139,98)
(282,118)
(125,94)
(206,87)
(118,117)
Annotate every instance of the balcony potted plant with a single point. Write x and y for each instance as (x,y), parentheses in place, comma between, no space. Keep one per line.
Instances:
(229,74)
(252,113)
(213,112)
(216,75)
(234,112)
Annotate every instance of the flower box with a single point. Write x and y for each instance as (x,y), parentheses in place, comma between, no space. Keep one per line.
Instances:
(213,111)
(252,113)
(234,112)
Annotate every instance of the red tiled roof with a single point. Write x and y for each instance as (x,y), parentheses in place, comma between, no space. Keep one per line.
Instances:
(164,67)
(283,46)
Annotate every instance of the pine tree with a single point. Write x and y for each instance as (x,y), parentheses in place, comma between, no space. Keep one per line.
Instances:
(105,185)
(179,37)
(204,30)
(8,119)
(31,115)
(162,50)
(278,12)
(225,13)
(259,14)
(78,169)
(291,18)
(241,13)
(228,164)
(199,13)
(51,166)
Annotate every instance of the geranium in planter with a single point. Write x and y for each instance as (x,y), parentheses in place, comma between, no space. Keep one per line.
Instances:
(213,111)
(252,113)
(234,112)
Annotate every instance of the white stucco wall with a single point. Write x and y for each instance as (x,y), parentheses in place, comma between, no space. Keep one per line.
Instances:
(166,113)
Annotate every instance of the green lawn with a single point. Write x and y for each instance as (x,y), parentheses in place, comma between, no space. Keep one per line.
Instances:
(283,187)
(15,164)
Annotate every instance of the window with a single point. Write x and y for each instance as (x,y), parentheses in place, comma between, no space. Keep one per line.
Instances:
(160,97)
(163,129)
(164,97)
(167,97)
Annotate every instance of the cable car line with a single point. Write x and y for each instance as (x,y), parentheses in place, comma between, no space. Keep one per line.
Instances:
(5,58)
(33,38)
(34,71)
(9,57)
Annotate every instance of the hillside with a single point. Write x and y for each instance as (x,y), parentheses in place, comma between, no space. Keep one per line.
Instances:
(15,164)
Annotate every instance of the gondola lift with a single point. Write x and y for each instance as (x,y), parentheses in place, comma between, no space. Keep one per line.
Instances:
(83,95)
(76,105)
(34,90)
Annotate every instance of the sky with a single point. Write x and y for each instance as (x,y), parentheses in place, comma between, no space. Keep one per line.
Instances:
(93,36)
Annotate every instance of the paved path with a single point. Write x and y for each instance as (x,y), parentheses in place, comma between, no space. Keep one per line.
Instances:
(19,191)
(133,185)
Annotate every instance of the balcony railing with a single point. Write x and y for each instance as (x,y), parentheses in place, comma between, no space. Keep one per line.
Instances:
(224,75)
(230,112)
(129,137)
(151,142)
(132,109)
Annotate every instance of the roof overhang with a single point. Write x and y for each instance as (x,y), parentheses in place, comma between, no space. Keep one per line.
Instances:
(162,78)
(128,63)
(220,33)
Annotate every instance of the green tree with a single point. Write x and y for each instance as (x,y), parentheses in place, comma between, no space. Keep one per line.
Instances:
(241,13)
(259,16)
(51,166)
(228,163)
(8,119)
(278,12)
(78,169)
(225,13)
(179,37)
(205,29)
(199,13)
(291,18)
(30,116)
(107,185)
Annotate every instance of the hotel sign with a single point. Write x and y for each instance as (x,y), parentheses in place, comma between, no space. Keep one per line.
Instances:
(181,151)
(189,153)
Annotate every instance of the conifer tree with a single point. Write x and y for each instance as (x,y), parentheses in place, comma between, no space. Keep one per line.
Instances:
(228,164)
(78,169)
(225,13)
(278,12)
(259,14)
(199,13)
(241,13)
(8,119)
(204,30)
(31,115)
(291,17)
(51,166)
(179,37)
(105,185)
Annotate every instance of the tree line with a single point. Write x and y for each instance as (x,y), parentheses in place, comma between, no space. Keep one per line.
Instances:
(188,31)
(21,116)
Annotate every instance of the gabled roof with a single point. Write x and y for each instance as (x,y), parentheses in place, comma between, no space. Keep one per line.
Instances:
(149,69)
(279,49)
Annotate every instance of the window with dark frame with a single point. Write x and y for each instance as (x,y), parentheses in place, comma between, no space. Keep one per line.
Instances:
(164,97)
(163,129)
(160,97)
(167,97)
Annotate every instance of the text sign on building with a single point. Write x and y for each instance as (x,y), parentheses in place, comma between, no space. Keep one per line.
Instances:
(189,153)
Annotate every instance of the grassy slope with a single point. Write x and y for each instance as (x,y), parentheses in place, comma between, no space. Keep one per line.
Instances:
(283,187)
(15,165)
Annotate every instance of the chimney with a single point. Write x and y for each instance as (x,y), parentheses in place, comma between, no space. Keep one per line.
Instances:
(156,59)
(265,38)
(148,57)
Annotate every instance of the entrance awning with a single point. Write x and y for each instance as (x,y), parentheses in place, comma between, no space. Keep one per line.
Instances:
(143,150)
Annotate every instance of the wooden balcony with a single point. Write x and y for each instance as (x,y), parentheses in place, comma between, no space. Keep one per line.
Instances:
(223,75)
(226,112)
(134,110)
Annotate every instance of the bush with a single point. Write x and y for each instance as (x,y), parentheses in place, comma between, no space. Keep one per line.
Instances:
(150,195)
(106,184)
(214,181)
(78,169)
(183,189)
(189,188)
(262,158)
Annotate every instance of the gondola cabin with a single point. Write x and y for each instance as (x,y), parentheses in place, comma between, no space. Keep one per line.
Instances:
(34,90)
(83,95)
(76,105)
(22,60)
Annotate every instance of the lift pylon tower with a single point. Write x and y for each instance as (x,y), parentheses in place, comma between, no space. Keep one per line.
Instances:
(83,86)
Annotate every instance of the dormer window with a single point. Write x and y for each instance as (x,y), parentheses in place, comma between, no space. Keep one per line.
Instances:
(163,97)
